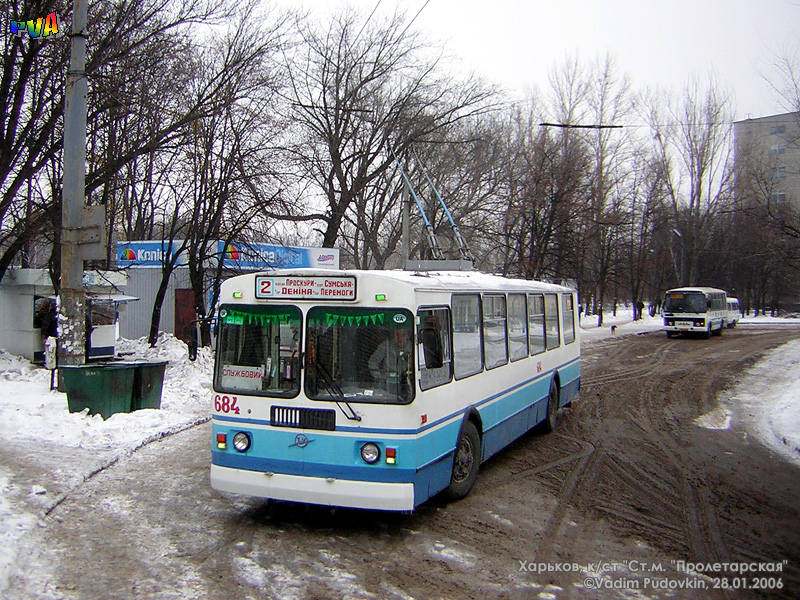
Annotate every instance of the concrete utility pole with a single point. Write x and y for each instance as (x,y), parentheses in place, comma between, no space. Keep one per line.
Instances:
(72,303)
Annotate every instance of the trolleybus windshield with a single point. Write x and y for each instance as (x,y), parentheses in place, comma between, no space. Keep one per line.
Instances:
(258,352)
(360,355)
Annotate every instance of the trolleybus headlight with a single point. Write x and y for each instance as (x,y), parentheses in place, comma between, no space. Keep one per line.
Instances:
(241,442)
(370,453)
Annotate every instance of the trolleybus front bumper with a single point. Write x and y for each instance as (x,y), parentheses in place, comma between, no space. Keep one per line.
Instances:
(328,491)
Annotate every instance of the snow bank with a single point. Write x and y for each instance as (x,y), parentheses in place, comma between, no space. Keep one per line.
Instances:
(768,398)
(31,411)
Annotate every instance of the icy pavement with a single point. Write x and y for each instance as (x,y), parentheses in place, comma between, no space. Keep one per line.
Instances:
(48,451)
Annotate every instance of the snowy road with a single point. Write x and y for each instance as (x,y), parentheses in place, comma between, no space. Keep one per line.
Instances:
(630,484)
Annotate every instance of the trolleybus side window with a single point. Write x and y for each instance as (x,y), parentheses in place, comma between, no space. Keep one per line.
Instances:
(259,350)
(495,350)
(467,335)
(536,323)
(568,318)
(517,327)
(433,351)
(551,321)
(360,355)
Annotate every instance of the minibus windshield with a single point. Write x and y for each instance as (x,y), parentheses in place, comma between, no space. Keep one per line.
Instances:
(685,302)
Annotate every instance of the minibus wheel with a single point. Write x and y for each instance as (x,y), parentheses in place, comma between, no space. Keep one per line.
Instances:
(466,461)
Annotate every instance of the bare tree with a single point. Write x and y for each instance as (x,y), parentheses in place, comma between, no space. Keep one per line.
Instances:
(543,182)
(694,146)
(607,104)
(786,80)
(362,91)
(140,99)
(371,232)
(222,180)
(31,99)
(645,189)
(466,165)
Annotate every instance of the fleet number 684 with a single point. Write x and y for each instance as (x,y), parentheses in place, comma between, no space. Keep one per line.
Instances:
(225,404)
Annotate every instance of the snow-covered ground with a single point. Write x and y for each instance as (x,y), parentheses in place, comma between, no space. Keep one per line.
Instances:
(31,412)
(767,397)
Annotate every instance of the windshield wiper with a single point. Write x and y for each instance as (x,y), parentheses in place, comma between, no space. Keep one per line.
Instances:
(334,390)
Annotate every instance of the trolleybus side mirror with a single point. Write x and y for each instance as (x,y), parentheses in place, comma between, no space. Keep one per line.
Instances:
(432,348)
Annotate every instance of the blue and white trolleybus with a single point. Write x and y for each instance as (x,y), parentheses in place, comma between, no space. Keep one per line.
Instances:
(380,389)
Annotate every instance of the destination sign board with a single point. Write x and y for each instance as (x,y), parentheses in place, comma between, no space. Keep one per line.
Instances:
(309,287)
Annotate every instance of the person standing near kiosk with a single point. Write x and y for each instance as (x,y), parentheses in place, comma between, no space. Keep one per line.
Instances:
(48,319)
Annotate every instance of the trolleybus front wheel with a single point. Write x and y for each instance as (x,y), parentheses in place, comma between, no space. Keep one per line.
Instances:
(466,462)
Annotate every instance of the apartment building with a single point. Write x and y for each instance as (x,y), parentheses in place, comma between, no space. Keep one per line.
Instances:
(768,159)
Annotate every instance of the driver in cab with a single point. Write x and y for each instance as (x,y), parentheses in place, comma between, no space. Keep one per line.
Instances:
(392,357)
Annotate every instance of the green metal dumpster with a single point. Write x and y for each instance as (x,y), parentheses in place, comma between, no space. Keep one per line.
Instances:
(148,381)
(104,389)
(112,387)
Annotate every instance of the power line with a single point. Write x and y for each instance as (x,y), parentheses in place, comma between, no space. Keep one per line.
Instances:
(367,21)
(376,8)
(579,126)
(415,17)
(675,123)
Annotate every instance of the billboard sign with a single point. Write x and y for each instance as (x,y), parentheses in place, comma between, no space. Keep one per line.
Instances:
(257,257)
(237,256)
(151,253)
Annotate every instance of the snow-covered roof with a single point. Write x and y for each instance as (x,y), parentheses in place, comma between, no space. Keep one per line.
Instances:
(437,280)
(701,290)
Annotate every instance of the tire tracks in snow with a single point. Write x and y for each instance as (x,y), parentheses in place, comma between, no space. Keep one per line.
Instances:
(111,461)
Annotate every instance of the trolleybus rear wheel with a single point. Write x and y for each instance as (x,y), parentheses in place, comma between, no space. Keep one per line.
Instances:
(551,420)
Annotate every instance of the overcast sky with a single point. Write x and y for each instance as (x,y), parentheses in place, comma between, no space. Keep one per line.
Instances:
(517,42)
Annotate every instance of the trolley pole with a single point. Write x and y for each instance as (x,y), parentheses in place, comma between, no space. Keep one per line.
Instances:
(72,302)
(405,240)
